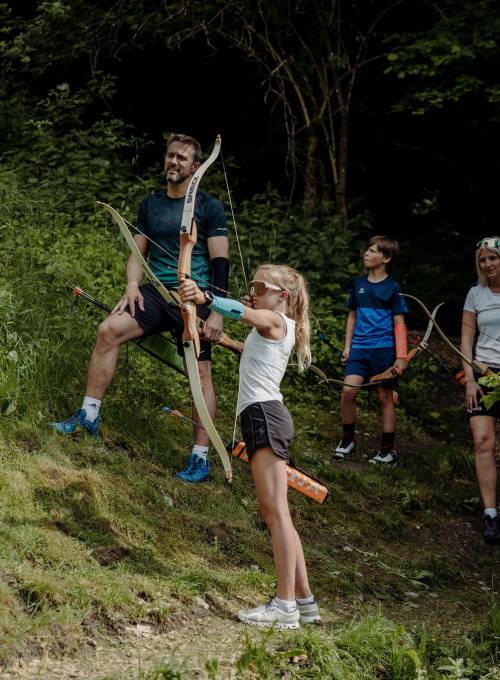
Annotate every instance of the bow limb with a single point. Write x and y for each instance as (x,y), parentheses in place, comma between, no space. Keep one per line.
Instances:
(125,232)
(473,363)
(413,353)
(190,337)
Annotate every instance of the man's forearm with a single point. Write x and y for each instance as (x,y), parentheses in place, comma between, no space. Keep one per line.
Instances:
(134,271)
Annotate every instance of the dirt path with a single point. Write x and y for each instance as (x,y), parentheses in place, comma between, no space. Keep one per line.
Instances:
(141,648)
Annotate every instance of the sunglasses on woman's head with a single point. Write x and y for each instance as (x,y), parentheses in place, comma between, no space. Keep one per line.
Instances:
(488,243)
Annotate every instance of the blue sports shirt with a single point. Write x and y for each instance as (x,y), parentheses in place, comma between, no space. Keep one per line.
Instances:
(375,305)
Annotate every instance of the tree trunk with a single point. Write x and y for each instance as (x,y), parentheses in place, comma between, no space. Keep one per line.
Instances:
(341,183)
(310,172)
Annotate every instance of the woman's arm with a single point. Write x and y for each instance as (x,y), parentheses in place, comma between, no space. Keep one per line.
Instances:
(472,389)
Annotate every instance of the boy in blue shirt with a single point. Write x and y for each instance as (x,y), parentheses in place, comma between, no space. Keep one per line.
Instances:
(375,340)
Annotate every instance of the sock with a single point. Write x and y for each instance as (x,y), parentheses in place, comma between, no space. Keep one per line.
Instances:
(388,440)
(491,512)
(285,605)
(305,600)
(348,430)
(200,451)
(91,407)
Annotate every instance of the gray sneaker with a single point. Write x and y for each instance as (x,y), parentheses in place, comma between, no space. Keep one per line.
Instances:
(269,615)
(309,613)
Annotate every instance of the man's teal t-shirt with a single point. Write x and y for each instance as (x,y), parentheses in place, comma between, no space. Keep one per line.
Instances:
(160,220)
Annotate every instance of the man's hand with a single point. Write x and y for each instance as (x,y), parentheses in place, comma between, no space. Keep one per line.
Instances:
(212,331)
(189,292)
(131,297)
(400,366)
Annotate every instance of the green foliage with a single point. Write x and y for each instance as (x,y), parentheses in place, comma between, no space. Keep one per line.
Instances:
(67,163)
(454,58)
(272,231)
(493,382)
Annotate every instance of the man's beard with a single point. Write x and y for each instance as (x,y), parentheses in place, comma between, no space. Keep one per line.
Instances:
(177,178)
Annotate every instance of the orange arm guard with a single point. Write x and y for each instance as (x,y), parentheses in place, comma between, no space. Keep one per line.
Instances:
(401,338)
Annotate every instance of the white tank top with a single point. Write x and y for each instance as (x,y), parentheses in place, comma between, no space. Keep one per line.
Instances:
(263,365)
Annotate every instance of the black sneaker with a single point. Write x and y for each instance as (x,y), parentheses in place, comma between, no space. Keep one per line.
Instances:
(345,448)
(385,457)
(491,529)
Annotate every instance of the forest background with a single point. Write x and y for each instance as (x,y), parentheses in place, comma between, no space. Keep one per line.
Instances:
(338,120)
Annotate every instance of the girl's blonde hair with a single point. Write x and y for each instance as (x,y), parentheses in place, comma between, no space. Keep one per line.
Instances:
(481,278)
(297,307)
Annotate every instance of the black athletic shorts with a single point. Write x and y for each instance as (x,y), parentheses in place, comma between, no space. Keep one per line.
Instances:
(159,316)
(494,411)
(267,424)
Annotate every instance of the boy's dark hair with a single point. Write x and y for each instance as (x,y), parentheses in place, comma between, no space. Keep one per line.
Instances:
(388,246)
(190,141)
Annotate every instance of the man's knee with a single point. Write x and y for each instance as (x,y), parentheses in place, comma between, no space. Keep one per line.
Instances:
(111,332)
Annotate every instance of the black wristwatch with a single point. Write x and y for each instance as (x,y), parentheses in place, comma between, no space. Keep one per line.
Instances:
(209,298)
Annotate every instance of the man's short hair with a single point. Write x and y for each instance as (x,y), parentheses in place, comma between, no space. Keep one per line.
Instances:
(190,141)
(388,246)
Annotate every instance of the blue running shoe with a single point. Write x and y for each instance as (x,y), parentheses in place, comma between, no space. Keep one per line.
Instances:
(79,419)
(189,466)
(196,470)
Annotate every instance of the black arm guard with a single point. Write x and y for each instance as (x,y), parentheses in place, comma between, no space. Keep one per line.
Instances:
(220,276)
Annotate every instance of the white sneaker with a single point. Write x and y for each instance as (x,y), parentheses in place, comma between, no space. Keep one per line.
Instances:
(385,458)
(309,613)
(344,449)
(268,615)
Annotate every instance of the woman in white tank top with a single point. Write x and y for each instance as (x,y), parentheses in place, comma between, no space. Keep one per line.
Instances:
(278,314)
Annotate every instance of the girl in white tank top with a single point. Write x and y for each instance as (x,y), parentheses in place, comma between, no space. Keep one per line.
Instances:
(278,314)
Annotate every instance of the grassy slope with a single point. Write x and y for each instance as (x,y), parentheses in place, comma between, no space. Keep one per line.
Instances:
(95,536)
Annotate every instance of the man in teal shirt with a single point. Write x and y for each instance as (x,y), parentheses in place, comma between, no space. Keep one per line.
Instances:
(143,311)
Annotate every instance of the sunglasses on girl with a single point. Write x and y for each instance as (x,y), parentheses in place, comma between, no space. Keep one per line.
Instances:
(488,243)
(260,287)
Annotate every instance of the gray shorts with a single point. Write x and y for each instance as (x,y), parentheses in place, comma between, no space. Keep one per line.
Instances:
(267,424)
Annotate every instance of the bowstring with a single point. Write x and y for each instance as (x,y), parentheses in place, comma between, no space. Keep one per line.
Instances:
(462,322)
(233,217)
(240,252)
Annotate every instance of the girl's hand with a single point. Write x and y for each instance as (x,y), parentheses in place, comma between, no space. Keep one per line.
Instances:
(189,292)
(345,355)
(473,394)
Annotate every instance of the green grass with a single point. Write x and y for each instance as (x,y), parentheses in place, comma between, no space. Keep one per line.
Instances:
(98,534)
